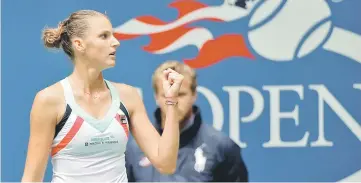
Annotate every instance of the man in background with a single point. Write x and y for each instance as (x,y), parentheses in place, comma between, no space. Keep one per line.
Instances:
(205,154)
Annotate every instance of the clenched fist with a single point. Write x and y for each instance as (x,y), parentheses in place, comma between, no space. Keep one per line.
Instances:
(172,82)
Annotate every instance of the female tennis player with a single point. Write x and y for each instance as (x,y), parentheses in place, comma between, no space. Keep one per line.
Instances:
(84,120)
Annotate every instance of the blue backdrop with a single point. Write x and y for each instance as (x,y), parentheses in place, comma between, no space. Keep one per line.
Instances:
(282,78)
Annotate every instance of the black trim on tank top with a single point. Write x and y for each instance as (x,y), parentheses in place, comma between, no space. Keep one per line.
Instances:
(62,122)
(122,107)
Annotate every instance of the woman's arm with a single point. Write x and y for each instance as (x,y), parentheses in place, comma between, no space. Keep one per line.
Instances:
(43,118)
(162,151)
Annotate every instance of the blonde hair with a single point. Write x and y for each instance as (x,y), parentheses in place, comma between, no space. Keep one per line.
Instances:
(75,25)
(181,68)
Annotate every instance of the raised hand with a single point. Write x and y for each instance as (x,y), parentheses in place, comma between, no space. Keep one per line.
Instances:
(172,82)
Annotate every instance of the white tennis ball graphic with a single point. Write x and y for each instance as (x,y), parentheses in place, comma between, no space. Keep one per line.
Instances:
(280,37)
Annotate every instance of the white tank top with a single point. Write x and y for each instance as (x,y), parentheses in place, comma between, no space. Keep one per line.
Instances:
(86,149)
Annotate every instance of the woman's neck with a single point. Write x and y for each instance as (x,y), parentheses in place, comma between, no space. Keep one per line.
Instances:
(88,80)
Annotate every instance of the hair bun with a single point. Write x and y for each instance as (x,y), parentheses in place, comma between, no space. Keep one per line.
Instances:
(52,37)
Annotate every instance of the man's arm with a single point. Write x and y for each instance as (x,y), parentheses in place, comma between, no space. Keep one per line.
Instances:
(233,168)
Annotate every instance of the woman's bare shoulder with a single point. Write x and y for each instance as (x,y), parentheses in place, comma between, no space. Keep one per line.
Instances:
(128,94)
(124,88)
(50,100)
(51,95)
